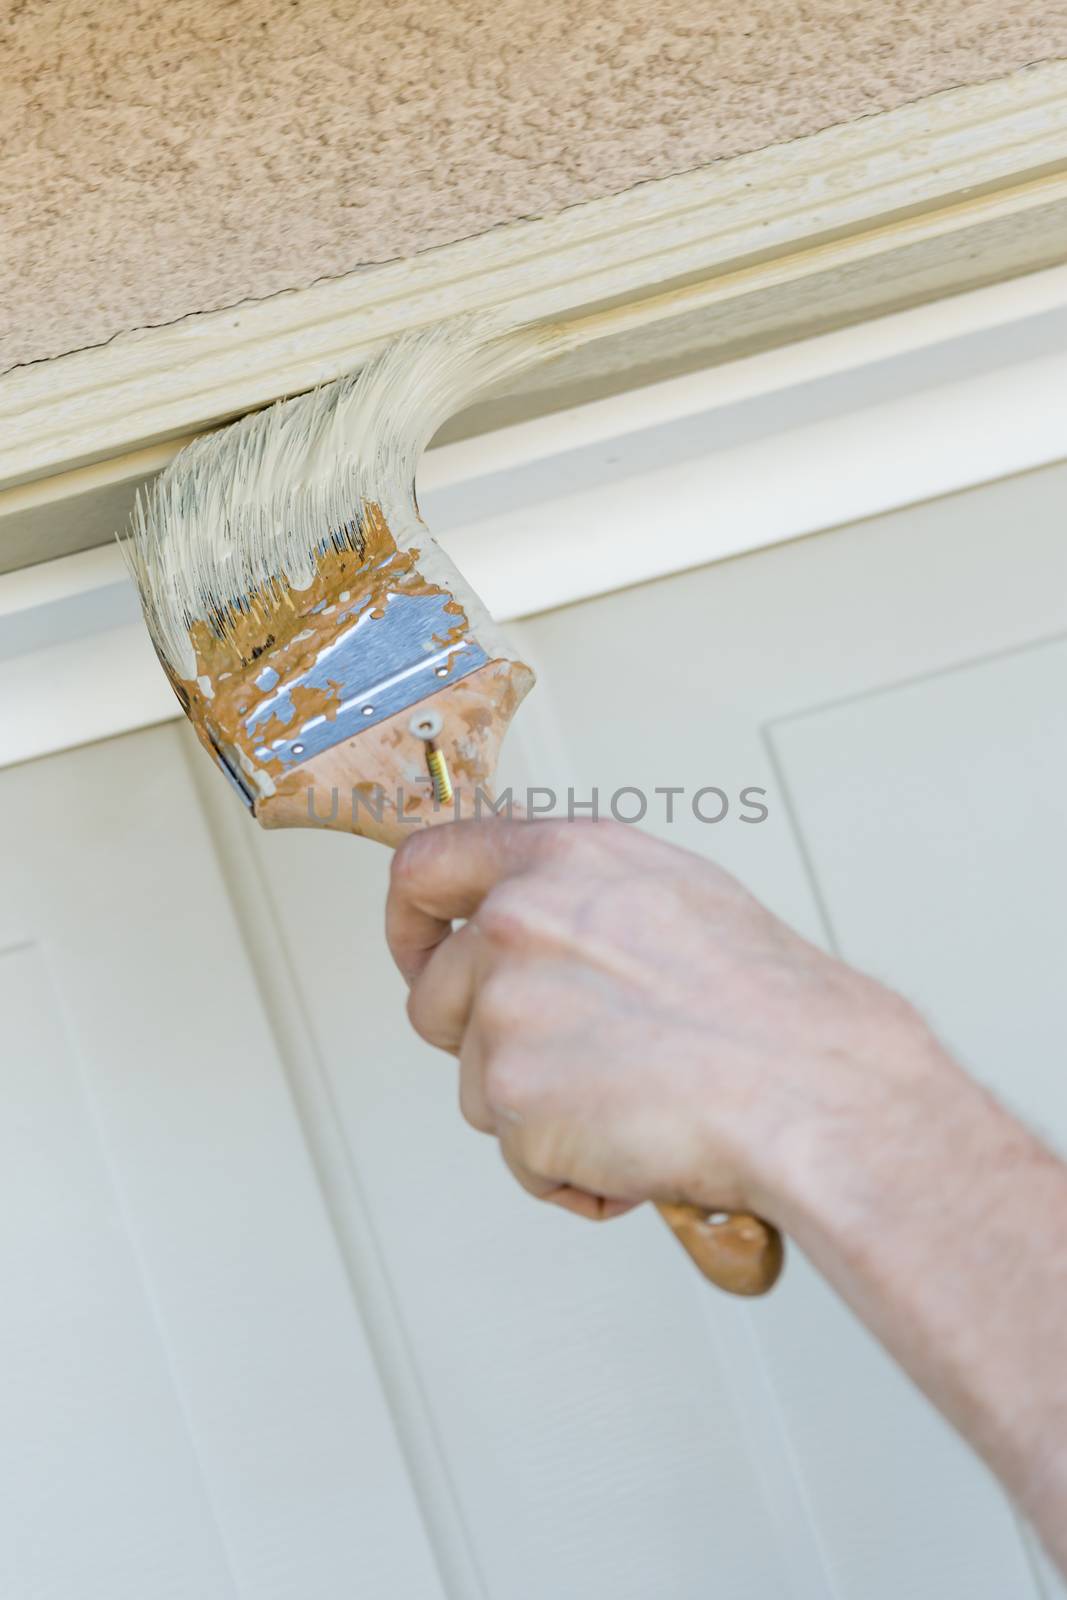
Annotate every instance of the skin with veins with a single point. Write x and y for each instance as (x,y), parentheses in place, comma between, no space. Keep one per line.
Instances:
(287,629)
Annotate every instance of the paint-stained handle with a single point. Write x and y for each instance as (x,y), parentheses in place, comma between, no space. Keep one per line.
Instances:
(736,1252)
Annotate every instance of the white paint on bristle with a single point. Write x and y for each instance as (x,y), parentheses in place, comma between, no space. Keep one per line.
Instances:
(252,506)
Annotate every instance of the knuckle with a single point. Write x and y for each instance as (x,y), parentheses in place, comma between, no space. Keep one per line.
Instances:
(413,1007)
(609,832)
(655,903)
(472,1106)
(506,1085)
(562,841)
(506,915)
(500,1004)
(419,1015)
(538,1151)
(409,861)
(586,839)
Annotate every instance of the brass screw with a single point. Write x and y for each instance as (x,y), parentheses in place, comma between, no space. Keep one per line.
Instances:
(442,783)
(426,725)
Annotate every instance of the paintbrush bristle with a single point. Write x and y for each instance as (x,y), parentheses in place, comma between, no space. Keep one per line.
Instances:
(241,517)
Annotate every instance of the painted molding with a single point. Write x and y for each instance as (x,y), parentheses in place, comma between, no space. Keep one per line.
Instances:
(67,497)
(720,462)
(937,172)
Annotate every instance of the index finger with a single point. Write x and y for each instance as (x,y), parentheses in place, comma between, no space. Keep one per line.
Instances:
(445,872)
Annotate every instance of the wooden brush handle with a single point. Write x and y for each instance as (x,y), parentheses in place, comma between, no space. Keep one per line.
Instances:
(736,1252)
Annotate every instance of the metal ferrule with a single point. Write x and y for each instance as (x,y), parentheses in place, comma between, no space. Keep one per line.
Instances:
(378,666)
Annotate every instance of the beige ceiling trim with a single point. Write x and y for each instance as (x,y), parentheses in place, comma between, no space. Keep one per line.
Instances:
(971,393)
(942,176)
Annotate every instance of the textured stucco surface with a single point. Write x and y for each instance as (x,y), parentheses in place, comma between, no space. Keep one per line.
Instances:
(163,159)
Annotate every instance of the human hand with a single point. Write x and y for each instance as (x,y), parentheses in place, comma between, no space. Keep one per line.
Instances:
(630,1022)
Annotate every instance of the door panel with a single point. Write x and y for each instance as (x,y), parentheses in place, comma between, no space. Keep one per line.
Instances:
(194,1410)
(101,1490)
(935,821)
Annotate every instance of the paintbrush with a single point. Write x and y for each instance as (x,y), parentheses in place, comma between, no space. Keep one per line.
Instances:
(331,659)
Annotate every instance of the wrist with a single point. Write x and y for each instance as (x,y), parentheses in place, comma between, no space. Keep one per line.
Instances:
(832,1155)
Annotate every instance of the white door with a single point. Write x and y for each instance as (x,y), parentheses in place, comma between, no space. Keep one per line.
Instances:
(276,1323)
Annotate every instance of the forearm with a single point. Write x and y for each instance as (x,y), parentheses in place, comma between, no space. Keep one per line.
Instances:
(943,1222)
